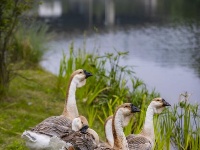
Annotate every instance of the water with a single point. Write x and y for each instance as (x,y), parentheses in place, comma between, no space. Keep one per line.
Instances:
(164,51)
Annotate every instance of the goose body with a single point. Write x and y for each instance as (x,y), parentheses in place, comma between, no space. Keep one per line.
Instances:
(80,141)
(57,125)
(35,141)
(87,140)
(145,140)
(40,138)
(79,126)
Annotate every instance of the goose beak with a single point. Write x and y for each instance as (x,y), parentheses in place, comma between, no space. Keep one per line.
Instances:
(84,129)
(87,74)
(134,109)
(165,103)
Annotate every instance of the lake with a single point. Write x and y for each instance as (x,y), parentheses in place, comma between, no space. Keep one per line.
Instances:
(163,40)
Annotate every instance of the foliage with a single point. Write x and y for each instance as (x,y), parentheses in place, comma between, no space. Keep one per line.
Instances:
(28,44)
(18,43)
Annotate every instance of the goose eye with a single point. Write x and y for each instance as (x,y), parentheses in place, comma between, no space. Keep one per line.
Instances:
(157,100)
(80,72)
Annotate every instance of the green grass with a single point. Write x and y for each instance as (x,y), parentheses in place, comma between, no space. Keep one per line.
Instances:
(27,103)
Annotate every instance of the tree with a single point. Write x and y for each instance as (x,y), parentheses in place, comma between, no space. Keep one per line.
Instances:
(10,13)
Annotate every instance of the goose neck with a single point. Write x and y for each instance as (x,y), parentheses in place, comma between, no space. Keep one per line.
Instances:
(109,133)
(70,109)
(120,141)
(148,128)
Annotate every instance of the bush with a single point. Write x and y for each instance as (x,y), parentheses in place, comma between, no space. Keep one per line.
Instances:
(17,44)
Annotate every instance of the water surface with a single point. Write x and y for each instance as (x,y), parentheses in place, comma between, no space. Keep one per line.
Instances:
(166,57)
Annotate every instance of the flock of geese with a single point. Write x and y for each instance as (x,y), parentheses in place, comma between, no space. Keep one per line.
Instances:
(70,131)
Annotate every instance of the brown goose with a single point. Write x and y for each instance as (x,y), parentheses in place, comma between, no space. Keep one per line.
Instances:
(79,126)
(77,79)
(118,122)
(145,140)
(108,128)
(40,139)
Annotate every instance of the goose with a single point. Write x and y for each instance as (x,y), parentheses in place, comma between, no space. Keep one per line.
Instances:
(85,139)
(82,140)
(119,121)
(145,140)
(77,79)
(40,140)
(108,128)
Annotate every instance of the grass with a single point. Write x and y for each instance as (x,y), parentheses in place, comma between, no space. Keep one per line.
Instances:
(31,99)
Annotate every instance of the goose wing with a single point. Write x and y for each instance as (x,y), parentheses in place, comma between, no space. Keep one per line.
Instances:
(59,120)
(104,146)
(138,142)
(51,129)
(80,141)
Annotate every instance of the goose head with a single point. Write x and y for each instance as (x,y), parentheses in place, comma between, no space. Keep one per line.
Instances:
(79,77)
(127,109)
(80,124)
(158,105)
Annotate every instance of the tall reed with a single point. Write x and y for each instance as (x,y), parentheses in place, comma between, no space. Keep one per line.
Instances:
(108,88)
(179,126)
(28,45)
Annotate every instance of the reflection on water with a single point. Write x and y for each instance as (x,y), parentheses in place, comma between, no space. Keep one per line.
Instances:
(163,56)
(84,14)
(50,9)
(162,37)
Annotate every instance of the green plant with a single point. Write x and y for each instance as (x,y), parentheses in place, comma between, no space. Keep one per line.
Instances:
(179,126)
(107,89)
(28,44)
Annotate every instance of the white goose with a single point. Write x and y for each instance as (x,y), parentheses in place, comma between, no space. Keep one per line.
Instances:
(145,140)
(77,79)
(108,128)
(45,142)
(118,122)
